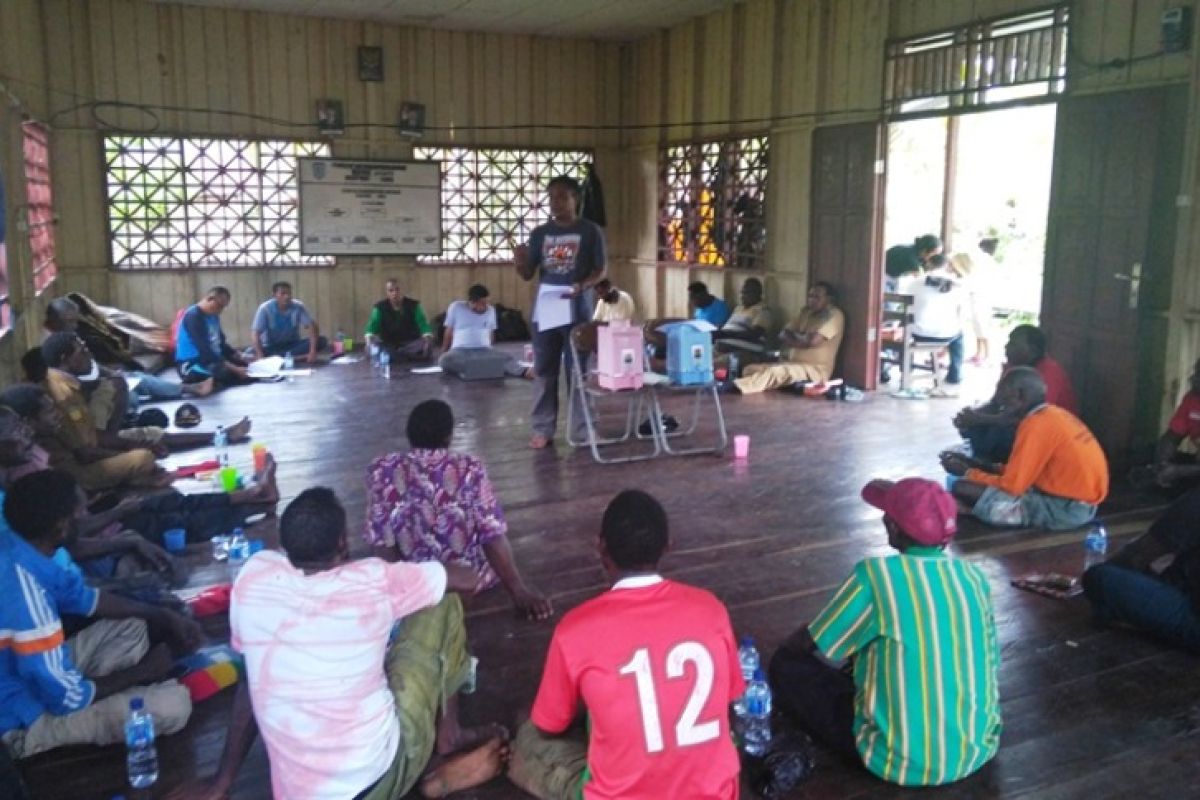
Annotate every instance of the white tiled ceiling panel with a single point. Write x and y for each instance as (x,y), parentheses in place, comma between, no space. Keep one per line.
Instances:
(602,19)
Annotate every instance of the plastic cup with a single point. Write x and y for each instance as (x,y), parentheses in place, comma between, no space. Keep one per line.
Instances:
(255,545)
(741,446)
(260,457)
(175,540)
(220,547)
(347,345)
(527,353)
(950,481)
(229,478)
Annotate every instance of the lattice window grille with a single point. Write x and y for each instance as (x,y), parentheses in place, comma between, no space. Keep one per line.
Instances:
(712,203)
(205,202)
(492,197)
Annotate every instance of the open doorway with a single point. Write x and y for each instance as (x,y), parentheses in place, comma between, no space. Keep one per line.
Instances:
(973,177)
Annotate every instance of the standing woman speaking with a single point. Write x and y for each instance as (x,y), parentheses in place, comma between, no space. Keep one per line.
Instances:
(568,257)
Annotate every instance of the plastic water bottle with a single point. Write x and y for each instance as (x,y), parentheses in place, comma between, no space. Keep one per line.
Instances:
(1095,546)
(340,340)
(385,364)
(756,733)
(221,444)
(239,552)
(141,760)
(750,661)
(731,372)
(373,349)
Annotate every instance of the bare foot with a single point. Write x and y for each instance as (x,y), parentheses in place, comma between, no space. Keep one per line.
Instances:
(467,770)
(468,738)
(265,489)
(539,442)
(528,374)
(202,389)
(239,431)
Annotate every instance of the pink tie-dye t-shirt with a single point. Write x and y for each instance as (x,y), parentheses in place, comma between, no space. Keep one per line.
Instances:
(314,647)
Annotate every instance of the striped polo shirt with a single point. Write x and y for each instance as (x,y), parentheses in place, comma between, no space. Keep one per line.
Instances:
(923,632)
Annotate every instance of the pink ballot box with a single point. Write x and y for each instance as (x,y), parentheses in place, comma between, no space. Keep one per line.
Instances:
(619,349)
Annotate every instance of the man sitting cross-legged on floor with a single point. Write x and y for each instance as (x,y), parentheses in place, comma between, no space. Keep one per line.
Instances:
(811,344)
(471,332)
(282,326)
(56,692)
(655,666)
(399,326)
(201,352)
(992,429)
(920,706)
(345,714)
(1057,474)
(68,358)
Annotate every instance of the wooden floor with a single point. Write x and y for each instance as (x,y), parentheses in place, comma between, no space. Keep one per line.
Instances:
(1087,712)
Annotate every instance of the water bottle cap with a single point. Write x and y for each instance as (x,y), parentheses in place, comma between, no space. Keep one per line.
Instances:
(758,674)
(747,641)
(239,532)
(136,704)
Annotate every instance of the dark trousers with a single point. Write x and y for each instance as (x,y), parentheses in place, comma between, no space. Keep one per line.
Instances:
(552,353)
(817,697)
(1122,595)
(298,347)
(955,345)
(992,443)
(193,372)
(201,515)
(417,350)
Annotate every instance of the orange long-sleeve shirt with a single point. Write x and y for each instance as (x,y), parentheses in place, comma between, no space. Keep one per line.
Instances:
(1056,453)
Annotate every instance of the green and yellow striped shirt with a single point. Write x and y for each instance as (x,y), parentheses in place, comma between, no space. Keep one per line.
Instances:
(921,626)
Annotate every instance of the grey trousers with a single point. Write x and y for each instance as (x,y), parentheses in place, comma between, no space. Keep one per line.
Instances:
(456,359)
(552,354)
(104,647)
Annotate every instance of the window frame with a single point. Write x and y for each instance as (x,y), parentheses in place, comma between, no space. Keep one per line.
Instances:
(518,234)
(40,220)
(299,262)
(726,207)
(974,43)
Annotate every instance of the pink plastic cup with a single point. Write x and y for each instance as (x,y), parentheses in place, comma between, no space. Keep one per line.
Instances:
(741,446)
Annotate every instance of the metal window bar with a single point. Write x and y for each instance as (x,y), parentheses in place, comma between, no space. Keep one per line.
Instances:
(39,204)
(492,197)
(205,202)
(962,68)
(712,203)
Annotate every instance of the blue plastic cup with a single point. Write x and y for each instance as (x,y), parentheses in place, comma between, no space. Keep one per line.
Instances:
(175,540)
(256,545)
(950,481)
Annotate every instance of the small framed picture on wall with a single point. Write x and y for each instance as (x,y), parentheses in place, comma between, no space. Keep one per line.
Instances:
(370,64)
(331,118)
(412,119)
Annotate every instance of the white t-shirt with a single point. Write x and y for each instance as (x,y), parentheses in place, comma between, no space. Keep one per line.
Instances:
(314,647)
(620,311)
(470,329)
(938,304)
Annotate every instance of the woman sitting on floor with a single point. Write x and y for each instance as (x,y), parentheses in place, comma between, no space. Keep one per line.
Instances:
(430,504)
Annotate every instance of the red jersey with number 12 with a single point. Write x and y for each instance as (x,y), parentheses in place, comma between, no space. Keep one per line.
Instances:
(656,666)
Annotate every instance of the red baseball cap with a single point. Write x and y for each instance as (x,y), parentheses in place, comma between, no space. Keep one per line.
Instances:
(922,508)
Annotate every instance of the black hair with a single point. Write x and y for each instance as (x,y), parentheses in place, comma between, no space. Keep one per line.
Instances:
(23,398)
(634,530)
(57,306)
(1028,381)
(277,285)
(34,365)
(312,527)
(830,292)
(218,291)
(569,183)
(478,292)
(926,243)
(602,283)
(698,287)
(58,347)
(39,502)
(939,260)
(430,425)
(1034,338)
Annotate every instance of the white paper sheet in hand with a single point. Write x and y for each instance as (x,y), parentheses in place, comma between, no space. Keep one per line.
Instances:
(265,367)
(425,370)
(553,307)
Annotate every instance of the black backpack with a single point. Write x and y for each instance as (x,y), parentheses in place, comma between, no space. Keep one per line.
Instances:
(510,325)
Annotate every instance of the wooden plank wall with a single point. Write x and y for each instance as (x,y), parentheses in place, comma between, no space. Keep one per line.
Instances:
(800,64)
(214,60)
(22,78)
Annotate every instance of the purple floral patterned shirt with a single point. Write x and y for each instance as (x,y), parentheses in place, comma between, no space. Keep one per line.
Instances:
(434,505)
